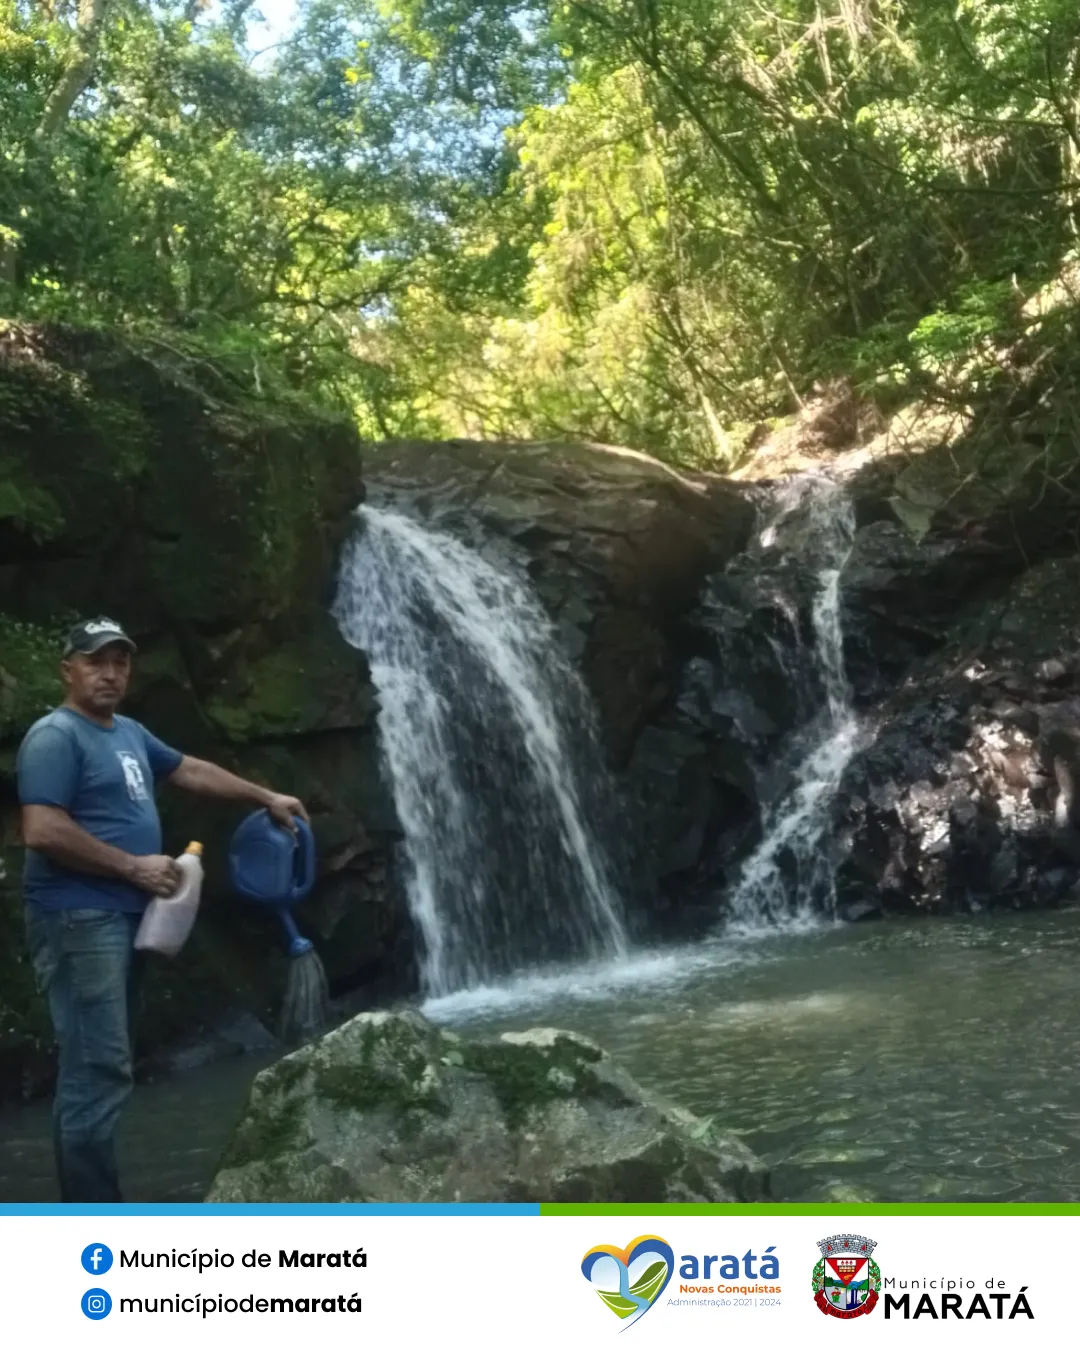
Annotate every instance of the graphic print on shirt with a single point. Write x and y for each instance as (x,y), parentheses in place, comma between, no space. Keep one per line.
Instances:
(133,776)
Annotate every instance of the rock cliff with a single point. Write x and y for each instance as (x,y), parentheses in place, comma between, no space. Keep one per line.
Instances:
(142,482)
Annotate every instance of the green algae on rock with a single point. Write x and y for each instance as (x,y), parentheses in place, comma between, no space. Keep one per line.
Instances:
(391,1108)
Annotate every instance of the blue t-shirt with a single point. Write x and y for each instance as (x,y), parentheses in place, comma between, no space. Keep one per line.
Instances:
(103,777)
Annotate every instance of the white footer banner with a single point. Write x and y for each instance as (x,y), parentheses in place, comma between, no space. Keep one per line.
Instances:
(520,1278)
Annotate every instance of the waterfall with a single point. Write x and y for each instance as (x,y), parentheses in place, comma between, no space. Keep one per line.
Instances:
(790,875)
(487,737)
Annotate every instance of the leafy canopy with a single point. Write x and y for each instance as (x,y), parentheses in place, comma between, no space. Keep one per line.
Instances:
(656,222)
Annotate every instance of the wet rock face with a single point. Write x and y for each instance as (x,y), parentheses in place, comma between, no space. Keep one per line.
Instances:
(966,798)
(615,543)
(390,1108)
(961,649)
(900,599)
(618,547)
(700,766)
(692,621)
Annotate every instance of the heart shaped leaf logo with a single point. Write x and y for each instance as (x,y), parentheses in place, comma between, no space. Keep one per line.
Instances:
(630,1279)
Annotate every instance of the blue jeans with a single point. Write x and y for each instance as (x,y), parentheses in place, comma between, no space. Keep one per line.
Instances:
(83,964)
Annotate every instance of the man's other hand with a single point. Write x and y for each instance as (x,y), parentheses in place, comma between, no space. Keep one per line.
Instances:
(282,810)
(156,873)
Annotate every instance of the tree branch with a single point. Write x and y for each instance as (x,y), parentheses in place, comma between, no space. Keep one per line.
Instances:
(79,71)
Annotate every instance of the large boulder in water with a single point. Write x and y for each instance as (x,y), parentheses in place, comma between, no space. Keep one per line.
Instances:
(390,1108)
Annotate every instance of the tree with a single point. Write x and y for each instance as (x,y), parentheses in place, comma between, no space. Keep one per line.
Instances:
(650,221)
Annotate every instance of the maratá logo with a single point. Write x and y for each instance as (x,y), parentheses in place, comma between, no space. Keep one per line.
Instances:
(630,1279)
(846,1279)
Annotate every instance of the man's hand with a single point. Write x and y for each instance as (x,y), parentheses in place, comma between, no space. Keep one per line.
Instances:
(155,873)
(51,831)
(282,809)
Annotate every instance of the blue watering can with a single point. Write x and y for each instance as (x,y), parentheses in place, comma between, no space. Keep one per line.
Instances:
(273,867)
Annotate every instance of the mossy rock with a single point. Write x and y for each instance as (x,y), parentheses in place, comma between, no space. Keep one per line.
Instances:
(29,672)
(311,683)
(209,503)
(71,452)
(391,1108)
(26,1041)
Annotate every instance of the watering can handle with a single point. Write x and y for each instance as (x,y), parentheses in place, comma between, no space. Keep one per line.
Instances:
(304,861)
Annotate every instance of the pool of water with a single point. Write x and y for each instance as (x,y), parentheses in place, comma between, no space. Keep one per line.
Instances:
(900,1061)
(171,1136)
(933,1060)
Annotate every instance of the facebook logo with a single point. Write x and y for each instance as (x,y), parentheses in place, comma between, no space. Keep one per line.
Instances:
(96,1258)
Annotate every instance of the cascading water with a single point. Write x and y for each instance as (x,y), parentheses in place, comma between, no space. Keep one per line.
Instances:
(789,877)
(487,736)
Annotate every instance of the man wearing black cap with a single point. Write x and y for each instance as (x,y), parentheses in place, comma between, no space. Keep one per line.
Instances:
(90,823)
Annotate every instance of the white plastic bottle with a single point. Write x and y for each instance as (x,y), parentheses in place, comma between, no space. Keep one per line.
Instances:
(167,920)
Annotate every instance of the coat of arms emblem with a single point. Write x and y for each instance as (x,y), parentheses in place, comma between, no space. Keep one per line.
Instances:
(846,1279)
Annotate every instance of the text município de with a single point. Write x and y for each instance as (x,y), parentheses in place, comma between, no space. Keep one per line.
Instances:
(352,1258)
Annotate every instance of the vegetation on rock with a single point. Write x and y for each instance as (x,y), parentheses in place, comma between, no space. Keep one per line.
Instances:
(389,1106)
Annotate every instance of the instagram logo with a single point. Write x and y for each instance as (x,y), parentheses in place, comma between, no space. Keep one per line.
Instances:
(96,1304)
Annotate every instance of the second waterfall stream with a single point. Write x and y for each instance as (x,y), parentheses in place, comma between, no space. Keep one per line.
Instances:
(789,878)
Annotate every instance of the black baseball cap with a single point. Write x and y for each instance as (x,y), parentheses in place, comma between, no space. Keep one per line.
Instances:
(93,634)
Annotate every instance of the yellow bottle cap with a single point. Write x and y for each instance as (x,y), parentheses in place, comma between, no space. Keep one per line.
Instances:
(194,847)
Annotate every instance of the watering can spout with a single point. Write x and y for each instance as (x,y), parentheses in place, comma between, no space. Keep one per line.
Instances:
(298,944)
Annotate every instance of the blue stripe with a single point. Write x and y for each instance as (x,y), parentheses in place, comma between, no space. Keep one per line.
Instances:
(214,1211)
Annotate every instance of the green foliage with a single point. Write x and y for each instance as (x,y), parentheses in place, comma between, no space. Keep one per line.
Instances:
(29,672)
(727,206)
(642,221)
(30,508)
(968,332)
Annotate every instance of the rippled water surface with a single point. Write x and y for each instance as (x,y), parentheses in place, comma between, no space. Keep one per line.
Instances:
(171,1137)
(894,1062)
(899,1061)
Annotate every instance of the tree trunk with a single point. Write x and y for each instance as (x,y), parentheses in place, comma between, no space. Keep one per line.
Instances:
(79,70)
(9,260)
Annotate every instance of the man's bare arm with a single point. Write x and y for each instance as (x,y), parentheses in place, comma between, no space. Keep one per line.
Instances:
(199,775)
(50,830)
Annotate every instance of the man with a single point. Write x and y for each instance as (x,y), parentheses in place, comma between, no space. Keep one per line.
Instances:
(94,858)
